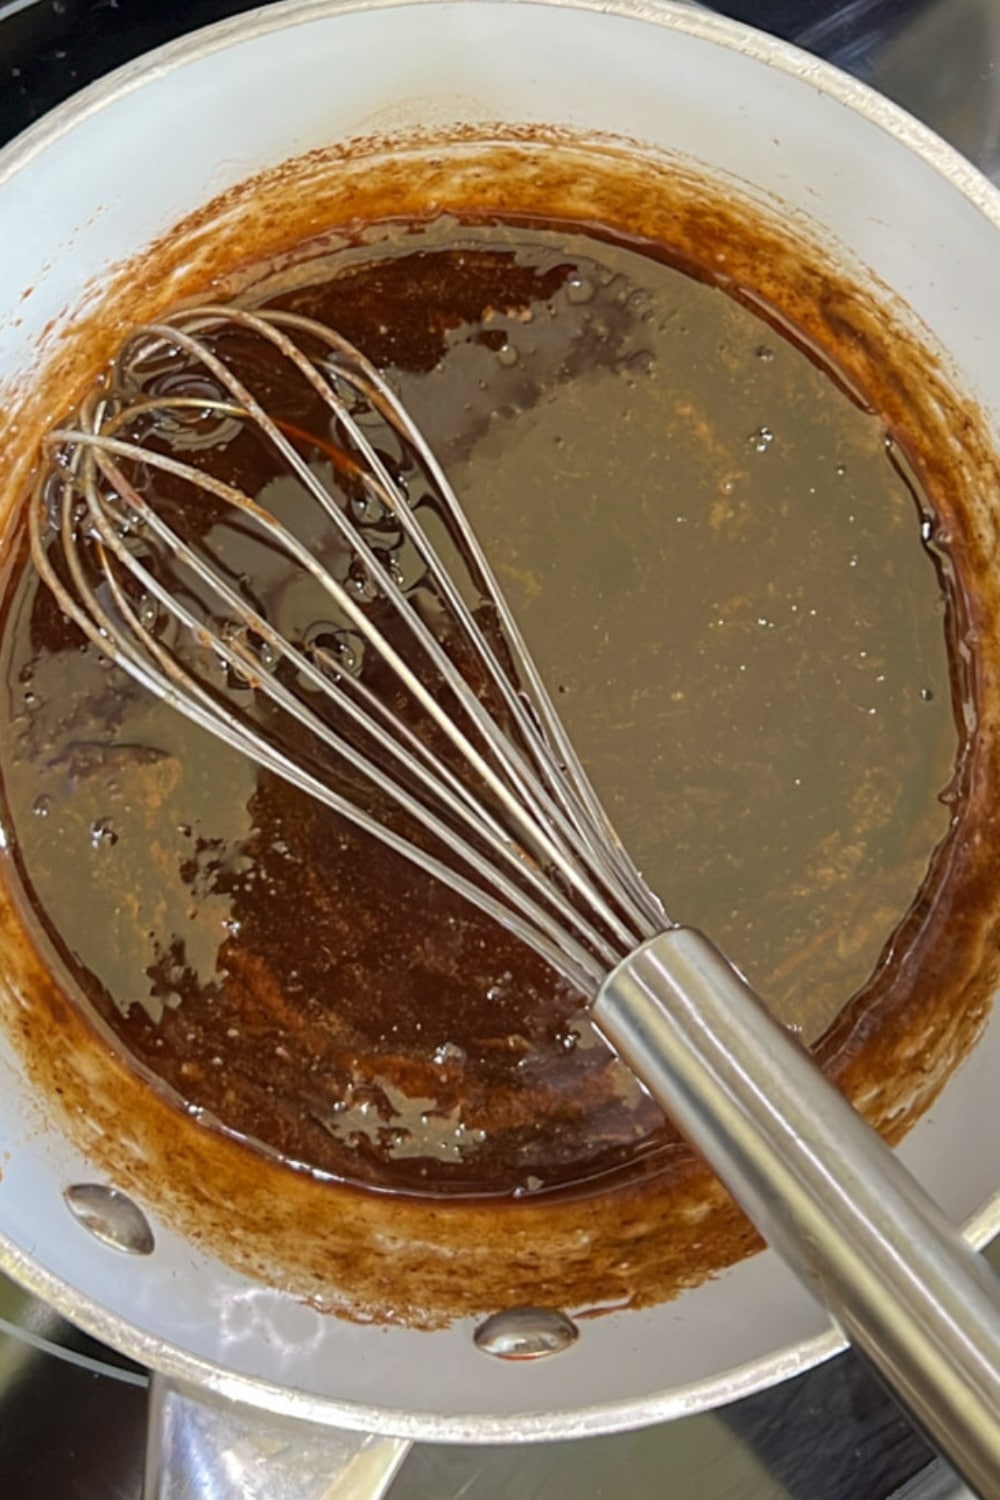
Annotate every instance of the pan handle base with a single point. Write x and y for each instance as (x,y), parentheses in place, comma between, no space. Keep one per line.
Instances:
(200,1445)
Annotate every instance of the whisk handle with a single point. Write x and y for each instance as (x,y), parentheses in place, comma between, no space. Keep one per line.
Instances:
(821,1186)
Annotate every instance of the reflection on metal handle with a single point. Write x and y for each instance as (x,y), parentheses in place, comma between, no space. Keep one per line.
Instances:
(821,1187)
(200,1449)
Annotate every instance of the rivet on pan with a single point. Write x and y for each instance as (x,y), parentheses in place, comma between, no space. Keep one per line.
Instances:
(111,1217)
(526,1333)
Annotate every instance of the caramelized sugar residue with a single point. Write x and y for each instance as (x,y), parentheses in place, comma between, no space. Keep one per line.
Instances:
(716,553)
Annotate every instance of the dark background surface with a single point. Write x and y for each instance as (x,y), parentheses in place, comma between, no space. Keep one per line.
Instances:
(51,48)
(72,1415)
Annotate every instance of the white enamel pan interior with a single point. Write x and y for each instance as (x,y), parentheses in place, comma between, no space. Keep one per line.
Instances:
(211,110)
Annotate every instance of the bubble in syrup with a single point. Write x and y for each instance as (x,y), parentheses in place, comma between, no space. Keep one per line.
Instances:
(641,363)
(42,806)
(334,648)
(761,439)
(580,290)
(508,356)
(764,353)
(103,834)
(500,987)
(449,1053)
(361,583)
(927,694)
(148,612)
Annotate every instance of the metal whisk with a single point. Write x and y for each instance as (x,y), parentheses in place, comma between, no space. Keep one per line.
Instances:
(416,712)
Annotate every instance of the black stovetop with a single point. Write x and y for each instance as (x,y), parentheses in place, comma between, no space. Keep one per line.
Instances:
(72,1414)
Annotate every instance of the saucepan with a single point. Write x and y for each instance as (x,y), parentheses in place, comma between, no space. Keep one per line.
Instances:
(266,1376)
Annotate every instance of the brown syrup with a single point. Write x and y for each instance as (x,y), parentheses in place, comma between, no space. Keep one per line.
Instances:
(716,554)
